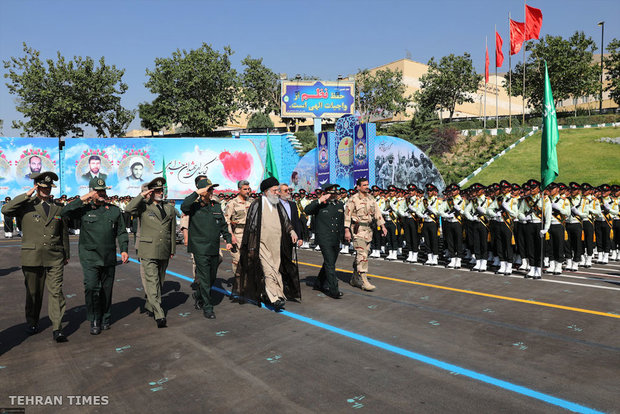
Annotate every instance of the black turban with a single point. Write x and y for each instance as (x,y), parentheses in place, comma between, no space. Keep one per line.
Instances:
(268,183)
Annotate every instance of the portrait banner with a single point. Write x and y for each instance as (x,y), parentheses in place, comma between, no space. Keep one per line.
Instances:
(127,163)
(323,158)
(20,158)
(360,152)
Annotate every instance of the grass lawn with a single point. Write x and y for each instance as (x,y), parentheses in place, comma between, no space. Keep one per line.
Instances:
(581,158)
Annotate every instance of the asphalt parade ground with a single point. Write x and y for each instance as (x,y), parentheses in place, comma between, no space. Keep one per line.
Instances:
(428,340)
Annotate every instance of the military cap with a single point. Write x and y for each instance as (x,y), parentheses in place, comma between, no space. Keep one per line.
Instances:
(351,191)
(156,183)
(391,188)
(45,179)
(97,184)
(562,186)
(343,191)
(552,186)
(375,187)
(330,188)
(505,184)
(574,186)
(605,187)
(615,187)
(431,187)
(205,183)
(586,187)
(412,187)
(198,178)
(533,183)
(302,191)
(516,187)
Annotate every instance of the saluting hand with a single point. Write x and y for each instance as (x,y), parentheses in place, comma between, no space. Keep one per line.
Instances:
(88,196)
(146,193)
(324,198)
(31,191)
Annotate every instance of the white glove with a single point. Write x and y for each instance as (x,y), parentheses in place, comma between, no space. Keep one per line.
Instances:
(542,233)
(498,214)
(449,215)
(480,210)
(575,211)
(556,206)
(528,218)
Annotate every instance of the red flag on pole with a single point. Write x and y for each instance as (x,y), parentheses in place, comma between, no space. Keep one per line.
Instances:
(499,55)
(486,67)
(517,36)
(533,22)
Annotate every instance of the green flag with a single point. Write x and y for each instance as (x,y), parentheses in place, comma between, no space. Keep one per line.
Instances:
(271,170)
(550,136)
(163,173)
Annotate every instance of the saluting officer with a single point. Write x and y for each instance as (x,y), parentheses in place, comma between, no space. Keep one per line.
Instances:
(206,224)
(102,226)
(45,251)
(157,242)
(329,216)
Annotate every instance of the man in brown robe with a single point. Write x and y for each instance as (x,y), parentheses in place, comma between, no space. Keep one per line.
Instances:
(266,270)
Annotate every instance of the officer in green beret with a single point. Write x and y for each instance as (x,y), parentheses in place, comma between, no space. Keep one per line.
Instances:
(45,251)
(157,242)
(102,226)
(328,214)
(206,225)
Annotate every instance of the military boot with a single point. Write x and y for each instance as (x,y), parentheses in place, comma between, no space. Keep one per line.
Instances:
(366,285)
(355,280)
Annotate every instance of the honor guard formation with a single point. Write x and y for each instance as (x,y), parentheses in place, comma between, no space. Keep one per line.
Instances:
(505,228)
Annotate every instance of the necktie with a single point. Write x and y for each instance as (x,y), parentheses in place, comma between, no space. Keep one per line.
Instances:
(163,212)
(46,208)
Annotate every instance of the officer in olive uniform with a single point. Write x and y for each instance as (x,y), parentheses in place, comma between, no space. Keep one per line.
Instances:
(328,214)
(45,251)
(102,226)
(157,242)
(206,224)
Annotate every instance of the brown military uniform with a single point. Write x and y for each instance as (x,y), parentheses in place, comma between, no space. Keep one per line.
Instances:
(235,214)
(360,214)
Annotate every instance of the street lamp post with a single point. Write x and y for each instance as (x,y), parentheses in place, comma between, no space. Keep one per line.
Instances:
(600,102)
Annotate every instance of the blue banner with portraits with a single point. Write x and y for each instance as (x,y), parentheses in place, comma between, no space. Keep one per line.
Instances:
(22,157)
(323,158)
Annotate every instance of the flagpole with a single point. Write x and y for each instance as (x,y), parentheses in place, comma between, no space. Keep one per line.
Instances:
(509,74)
(524,41)
(486,47)
(496,89)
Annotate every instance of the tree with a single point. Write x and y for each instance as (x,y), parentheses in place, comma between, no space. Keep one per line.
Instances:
(571,70)
(59,97)
(612,64)
(197,89)
(153,116)
(380,94)
(259,120)
(260,90)
(307,138)
(448,83)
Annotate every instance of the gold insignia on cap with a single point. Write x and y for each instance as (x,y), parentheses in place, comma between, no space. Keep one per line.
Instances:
(48,178)
(160,182)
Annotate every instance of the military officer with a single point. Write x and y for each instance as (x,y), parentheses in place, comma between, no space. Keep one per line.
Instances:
(206,225)
(235,214)
(102,226)
(8,222)
(157,242)
(45,251)
(328,212)
(360,212)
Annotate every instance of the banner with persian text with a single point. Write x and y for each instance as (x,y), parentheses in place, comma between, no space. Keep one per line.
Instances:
(317,99)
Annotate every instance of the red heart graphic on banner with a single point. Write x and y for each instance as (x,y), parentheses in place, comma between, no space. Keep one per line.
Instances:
(237,166)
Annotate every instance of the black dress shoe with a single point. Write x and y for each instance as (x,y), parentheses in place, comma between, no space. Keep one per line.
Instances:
(336,295)
(161,323)
(278,305)
(32,329)
(209,314)
(95,328)
(59,336)
(194,285)
(105,326)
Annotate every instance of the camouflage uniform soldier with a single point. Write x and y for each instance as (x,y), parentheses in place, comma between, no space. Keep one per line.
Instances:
(360,212)
(235,214)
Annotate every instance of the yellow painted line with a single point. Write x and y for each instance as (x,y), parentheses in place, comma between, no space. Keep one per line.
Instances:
(488,295)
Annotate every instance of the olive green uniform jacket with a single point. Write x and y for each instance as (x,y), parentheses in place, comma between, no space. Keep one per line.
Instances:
(157,234)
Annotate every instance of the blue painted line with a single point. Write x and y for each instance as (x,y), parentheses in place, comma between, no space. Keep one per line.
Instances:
(452,369)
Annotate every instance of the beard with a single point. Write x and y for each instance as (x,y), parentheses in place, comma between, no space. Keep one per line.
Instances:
(158,197)
(272,198)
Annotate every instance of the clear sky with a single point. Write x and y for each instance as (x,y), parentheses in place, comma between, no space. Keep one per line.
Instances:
(322,38)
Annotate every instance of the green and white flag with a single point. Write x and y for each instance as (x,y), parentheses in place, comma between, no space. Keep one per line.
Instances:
(271,169)
(549,169)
